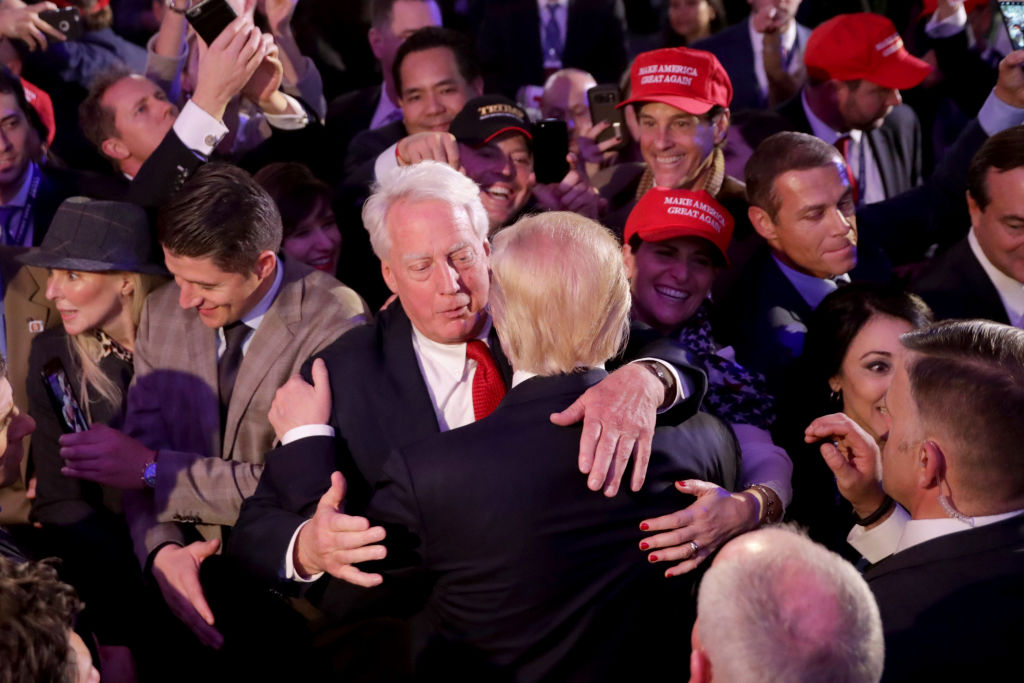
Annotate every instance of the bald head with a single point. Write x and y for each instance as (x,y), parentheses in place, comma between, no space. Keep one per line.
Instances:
(777,606)
(565,98)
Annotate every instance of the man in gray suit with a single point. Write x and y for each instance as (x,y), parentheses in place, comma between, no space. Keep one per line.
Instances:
(211,350)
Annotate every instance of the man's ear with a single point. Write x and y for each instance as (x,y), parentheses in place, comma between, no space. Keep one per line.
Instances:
(115,149)
(265,264)
(376,42)
(721,126)
(763,224)
(974,210)
(389,277)
(931,465)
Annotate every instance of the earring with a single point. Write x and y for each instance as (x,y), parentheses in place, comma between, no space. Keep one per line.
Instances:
(836,396)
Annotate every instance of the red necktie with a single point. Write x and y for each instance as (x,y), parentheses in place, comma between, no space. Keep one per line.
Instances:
(843,145)
(488,386)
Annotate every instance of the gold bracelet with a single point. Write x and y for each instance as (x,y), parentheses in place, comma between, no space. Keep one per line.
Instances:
(770,511)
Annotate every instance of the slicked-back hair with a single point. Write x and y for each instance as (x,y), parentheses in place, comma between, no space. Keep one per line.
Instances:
(223,214)
(430,37)
(422,182)
(793,612)
(1002,152)
(95,120)
(967,381)
(36,612)
(10,84)
(559,293)
(781,153)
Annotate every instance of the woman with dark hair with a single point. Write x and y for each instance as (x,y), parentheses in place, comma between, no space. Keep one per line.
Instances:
(850,351)
(311,232)
(691,20)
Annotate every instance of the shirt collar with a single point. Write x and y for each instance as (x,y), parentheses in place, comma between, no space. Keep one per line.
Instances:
(1010,291)
(811,289)
(920,530)
(520,376)
(451,358)
(254,317)
(822,130)
(20,199)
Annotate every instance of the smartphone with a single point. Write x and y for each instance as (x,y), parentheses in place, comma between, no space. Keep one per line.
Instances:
(58,386)
(603,100)
(1013,19)
(209,18)
(67,20)
(550,147)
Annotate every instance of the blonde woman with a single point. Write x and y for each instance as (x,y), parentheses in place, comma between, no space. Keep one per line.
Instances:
(98,257)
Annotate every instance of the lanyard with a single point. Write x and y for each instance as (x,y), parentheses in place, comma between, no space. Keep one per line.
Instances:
(16,237)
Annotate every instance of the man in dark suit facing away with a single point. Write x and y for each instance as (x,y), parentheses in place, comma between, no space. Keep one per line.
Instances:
(523,574)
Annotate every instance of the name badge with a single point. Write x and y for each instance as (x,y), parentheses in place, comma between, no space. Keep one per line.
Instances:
(35,326)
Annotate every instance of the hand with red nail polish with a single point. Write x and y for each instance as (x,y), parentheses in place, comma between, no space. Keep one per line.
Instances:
(692,534)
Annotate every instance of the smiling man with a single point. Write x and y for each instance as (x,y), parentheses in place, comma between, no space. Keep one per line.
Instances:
(681,99)
(212,348)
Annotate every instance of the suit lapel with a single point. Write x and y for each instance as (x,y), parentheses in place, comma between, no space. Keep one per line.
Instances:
(402,385)
(274,334)
(201,349)
(882,153)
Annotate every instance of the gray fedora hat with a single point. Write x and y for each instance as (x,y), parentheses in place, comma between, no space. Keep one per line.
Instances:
(92,235)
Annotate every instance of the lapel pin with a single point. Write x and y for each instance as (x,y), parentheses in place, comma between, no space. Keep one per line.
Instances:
(35,326)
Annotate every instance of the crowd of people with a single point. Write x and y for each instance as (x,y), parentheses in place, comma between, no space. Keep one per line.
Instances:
(510,340)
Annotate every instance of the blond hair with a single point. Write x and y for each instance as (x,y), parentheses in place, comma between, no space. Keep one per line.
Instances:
(559,294)
(85,348)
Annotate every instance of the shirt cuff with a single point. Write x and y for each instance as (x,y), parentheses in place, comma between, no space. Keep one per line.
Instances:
(879,542)
(387,161)
(305,431)
(197,130)
(996,115)
(670,369)
(949,26)
(289,121)
(289,567)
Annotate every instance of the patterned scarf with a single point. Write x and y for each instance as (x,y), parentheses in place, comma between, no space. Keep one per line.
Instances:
(735,394)
(108,346)
(713,171)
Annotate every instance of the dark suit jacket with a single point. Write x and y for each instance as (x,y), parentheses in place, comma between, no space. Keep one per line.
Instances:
(363,152)
(956,286)
(510,47)
(380,402)
(351,113)
(532,576)
(962,593)
(896,145)
(734,50)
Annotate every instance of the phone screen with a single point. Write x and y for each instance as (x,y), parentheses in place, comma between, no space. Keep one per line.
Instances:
(58,386)
(1013,18)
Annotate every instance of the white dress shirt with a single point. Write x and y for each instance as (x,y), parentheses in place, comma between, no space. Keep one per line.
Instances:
(795,62)
(383,114)
(1010,291)
(900,532)
(862,162)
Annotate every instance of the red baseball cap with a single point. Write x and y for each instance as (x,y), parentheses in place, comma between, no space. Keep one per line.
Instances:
(663,213)
(693,81)
(862,46)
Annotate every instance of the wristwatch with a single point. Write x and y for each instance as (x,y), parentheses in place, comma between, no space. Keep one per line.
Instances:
(666,379)
(149,475)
